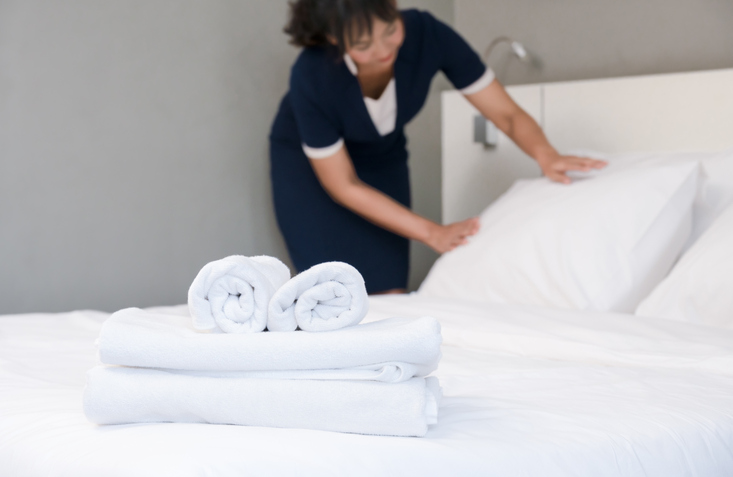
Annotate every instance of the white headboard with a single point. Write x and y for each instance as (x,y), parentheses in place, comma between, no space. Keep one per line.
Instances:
(671,112)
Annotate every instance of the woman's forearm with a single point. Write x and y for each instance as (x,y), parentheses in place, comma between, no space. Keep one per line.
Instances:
(384,211)
(495,104)
(339,179)
(524,131)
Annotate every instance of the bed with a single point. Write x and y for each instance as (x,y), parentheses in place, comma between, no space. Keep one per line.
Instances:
(529,388)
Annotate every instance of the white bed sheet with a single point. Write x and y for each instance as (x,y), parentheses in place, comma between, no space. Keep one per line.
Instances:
(528,392)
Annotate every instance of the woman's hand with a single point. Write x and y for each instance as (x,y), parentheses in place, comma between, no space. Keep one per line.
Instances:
(555,166)
(444,238)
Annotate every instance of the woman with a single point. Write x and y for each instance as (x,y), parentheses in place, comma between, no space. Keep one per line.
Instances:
(338,149)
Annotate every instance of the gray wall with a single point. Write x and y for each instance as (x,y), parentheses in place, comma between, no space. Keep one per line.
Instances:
(581,39)
(133,146)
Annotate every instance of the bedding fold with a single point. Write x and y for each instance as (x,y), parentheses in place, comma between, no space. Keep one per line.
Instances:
(140,338)
(122,395)
(326,297)
(381,372)
(233,294)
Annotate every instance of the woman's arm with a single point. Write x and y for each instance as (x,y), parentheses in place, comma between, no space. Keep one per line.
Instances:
(338,177)
(496,105)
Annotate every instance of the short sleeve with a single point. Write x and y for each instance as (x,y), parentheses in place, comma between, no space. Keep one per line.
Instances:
(460,63)
(318,133)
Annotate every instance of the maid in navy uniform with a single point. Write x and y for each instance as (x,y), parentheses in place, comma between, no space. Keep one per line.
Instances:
(338,149)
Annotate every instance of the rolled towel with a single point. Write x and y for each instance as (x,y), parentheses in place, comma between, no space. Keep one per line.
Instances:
(232,294)
(121,395)
(326,297)
(134,337)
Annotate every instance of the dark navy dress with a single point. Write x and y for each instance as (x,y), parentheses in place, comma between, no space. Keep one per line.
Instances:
(325,104)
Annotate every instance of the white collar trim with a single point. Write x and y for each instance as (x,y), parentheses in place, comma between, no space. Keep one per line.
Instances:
(350,64)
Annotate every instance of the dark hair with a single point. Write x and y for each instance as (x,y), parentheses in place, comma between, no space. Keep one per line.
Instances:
(313,21)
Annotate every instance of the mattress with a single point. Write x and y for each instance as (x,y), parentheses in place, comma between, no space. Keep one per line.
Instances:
(527,391)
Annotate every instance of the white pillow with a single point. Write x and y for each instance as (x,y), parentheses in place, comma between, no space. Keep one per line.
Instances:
(602,243)
(715,184)
(716,191)
(699,289)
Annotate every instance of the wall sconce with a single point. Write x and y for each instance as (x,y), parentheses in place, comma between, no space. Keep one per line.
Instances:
(484,131)
(517,48)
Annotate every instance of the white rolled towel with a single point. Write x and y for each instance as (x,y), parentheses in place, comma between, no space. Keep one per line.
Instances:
(121,395)
(232,294)
(326,297)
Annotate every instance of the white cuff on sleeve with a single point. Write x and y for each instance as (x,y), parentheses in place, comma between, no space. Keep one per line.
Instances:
(480,83)
(323,152)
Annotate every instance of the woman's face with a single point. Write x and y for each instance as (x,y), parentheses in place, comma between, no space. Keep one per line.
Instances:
(378,50)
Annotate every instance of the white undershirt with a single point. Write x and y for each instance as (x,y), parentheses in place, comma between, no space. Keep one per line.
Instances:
(383,110)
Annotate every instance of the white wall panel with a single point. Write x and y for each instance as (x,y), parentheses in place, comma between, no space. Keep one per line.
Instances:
(673,112)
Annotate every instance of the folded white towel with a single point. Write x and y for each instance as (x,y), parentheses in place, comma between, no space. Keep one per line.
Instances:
(134,337)
(382,372)
(327,296)
(119,395)
(233,293)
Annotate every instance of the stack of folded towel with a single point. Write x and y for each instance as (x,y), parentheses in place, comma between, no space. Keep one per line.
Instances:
(216,366)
